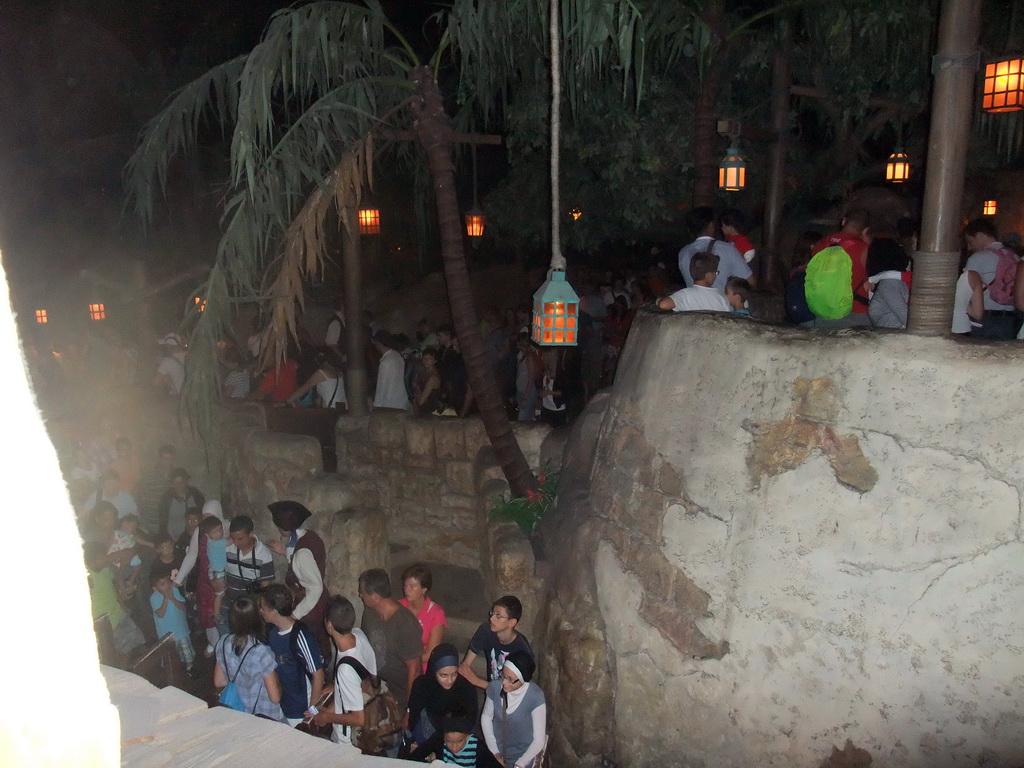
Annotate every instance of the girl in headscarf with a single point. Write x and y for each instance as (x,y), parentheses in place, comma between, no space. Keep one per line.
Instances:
(514,721)
(307,568)
(435,693)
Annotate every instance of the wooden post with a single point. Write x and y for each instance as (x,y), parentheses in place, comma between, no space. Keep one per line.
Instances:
(355,374)
(936,265)
(775,192)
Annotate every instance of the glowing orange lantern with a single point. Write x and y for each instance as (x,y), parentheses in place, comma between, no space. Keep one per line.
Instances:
(898,168)
(369,221)
(575,213)
(732,171)
(41,316)
(97,312)
(1003,89)
(988,208)
(475,222)
(555,312)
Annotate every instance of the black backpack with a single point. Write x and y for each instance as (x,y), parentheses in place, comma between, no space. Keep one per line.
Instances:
(796,301)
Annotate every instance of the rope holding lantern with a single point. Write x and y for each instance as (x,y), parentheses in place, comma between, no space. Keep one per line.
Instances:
(555,304)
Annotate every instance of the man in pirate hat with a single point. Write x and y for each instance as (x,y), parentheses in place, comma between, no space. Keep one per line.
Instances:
(307,567)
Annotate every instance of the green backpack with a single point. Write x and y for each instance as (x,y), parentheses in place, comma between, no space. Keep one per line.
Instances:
(827,287)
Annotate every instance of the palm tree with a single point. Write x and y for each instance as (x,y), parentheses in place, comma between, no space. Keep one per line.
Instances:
(307,110)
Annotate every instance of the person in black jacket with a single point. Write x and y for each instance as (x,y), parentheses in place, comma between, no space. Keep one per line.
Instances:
(433,695)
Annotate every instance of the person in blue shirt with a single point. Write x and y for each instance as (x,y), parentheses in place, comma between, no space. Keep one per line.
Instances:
(169,616)
(300,669)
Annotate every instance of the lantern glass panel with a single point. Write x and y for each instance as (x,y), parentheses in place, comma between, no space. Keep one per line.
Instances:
(570,337)
(559,322)
(549,308)
(369,221)
(559,337)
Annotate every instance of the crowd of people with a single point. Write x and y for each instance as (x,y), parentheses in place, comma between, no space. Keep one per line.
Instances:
(287,649)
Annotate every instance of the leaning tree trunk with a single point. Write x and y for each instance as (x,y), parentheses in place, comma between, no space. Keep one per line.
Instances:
(705,159)
(434,132)
(705,122)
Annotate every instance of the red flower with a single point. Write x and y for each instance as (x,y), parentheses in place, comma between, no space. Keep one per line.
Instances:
(543,478)
(533,496)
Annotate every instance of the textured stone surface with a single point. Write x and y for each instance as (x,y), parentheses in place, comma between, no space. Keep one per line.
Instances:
(356,539)
(783,542)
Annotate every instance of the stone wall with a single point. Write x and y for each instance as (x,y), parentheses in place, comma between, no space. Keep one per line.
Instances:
(777,541)
(406,490)
(260,467)
(425,473)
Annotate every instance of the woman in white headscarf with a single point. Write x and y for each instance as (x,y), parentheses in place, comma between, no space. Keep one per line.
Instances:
(514,720)
(213,625)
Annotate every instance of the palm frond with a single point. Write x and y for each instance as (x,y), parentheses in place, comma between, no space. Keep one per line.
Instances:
(174,131)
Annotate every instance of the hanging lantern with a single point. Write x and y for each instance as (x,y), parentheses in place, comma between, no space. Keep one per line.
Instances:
(200,303)
(732,171)
(41,316)
(555,311)
(1003,89)
(369,221)
(97,312)
(898,168)
(575,213)
(988,208)
(475,222)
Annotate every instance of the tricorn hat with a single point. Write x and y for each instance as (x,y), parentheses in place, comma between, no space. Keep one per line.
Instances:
(288,515)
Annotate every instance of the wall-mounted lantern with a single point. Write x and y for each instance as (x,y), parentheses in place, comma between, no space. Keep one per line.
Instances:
(1003,87)
(97,312)
(989,207)
(41,316)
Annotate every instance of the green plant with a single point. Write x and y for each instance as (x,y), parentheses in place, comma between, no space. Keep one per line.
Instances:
(527,511)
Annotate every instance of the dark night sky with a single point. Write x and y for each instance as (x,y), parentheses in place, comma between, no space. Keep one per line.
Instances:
(78,79)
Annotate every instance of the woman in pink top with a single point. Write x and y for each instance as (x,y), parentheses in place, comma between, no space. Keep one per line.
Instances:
(416,583)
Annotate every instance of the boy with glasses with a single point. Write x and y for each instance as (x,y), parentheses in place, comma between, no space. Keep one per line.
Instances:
(495,640)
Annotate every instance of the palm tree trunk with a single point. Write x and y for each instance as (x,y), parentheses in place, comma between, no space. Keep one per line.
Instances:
(434,131)
(705,159)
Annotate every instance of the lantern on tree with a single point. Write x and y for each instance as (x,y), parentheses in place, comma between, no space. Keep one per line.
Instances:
(369,221)
(732,171)
(988,208)
(575,213)
(1003,88)
(200,303)
(897,169)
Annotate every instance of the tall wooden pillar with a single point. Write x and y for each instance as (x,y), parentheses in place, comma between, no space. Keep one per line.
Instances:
(771,240)
(936,265)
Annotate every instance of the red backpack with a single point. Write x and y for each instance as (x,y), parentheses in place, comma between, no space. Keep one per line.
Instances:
(1001,287)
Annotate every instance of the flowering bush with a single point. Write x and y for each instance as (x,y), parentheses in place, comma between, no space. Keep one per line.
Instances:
(527,511)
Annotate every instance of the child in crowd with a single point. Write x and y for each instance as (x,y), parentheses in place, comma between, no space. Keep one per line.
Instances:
(167,561)
(237,382)
(460,745)
(216,552)
(192,520)
(733,225)
(169,616)
(495,640)
(105,600)
(129,572)
(737,291)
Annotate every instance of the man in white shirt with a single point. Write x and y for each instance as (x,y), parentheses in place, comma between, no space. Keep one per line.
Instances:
(1000,321)
(701,295)
(250,563)
(731,263)
(391,392)
(350,642)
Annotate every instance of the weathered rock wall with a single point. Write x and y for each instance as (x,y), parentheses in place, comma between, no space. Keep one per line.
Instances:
(260,467)
(426,473)
(777,541)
